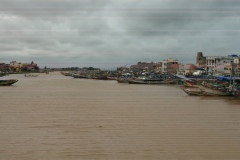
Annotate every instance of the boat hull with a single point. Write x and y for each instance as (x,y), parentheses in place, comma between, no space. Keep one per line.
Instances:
(7,82)
(78,76)
(203,91)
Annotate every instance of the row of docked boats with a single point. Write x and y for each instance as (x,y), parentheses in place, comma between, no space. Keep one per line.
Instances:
(204,90)
(98,76)
(162,79)
(148,81)
(217,86)
(205,86)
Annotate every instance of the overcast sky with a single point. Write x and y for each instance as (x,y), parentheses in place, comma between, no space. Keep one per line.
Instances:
(111,33)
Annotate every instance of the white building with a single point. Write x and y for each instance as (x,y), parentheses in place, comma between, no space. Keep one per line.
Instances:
(216,64)
(236,60)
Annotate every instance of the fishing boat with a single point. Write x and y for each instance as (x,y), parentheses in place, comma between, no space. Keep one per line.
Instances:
(150,81)
(78,76)
(7,82)
(112,78)
(122,80)
(30,75)
(101,77)
(66,73)
(203,90)
(192,90)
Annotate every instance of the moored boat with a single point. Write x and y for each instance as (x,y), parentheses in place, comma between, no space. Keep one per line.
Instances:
(192,90)
(101,77)
(78,76)
(112,78)
(66,73)
(30,75)
(122,80)
(201,90)
(7,82)
(150,81)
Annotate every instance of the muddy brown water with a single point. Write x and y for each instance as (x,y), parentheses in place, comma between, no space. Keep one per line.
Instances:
(55,117)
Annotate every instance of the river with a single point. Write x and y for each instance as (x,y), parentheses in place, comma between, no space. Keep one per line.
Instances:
(56,117)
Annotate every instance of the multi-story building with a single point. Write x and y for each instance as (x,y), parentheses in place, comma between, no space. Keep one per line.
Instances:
(170,66)
(236,60)
(18,67)
(216,64)
(220,65)
(200,60)
(186,69)
(152,66)
(228,70)
(236,67)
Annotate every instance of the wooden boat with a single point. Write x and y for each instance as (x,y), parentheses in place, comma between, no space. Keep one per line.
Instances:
(101,77)
(150,81)
(66,73)
(7,82)
(192,90)
(200,90)
(122,80)
(78,76)
(30,75)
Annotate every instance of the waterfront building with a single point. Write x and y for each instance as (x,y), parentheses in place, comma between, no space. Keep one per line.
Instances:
(200,60)
(18,66)
(228,70)
(29,66)
(15,66)
(236,60)
(4,67)
(216,64)
(186,69)
(152,66)
(236,66)
(170,66)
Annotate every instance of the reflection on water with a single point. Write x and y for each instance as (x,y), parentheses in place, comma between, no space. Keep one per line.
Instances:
(226,99)
(57,117)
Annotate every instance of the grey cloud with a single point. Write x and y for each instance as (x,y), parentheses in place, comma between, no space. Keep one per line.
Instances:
(110,31)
